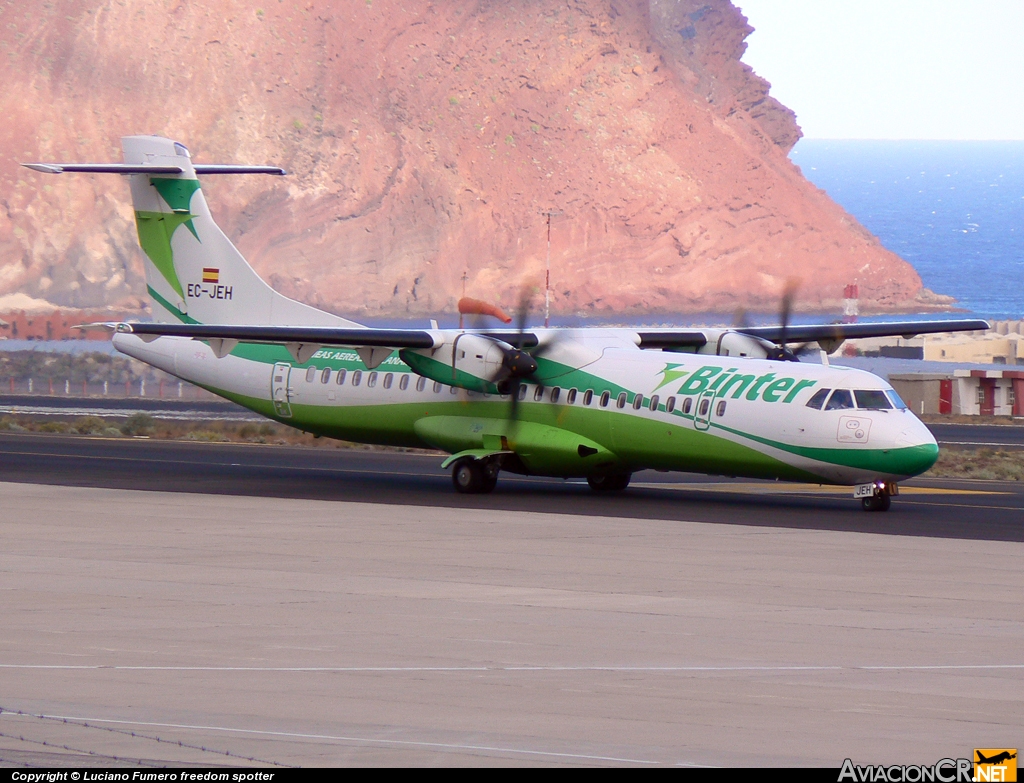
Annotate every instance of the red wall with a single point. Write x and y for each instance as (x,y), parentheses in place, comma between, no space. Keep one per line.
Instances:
(53,326)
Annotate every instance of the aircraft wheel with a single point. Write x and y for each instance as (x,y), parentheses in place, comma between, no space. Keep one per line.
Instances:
(877,502)
(468,477)
(609,483)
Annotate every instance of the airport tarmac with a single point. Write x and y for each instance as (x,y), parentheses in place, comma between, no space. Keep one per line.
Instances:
(315,607)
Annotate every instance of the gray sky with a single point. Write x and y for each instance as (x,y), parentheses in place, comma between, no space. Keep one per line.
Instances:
(893,69)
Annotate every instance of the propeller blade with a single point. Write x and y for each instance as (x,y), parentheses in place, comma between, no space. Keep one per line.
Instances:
(788,295)
(513,410)
(781,351)
(525,296)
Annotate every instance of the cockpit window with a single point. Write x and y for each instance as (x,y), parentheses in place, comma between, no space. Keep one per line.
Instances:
(840,400)
(872,400)
(818,398)
(896,399)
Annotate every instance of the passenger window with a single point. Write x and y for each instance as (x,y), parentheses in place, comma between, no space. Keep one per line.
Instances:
(670,404)
(704,405)
(872,400)
(310,374)
(388,379)
(638,401)
(421,383)
(371,379)
(522,392)
(570,398)
(325,376)
(538,394)
(588,396)
(687,404)
(818,398)
(605,396)
(453,389)
(340,379)
(897,400)
(840,400)
(404,383)
(437,387)
(654,403)
(621,401)
(555,394)
(721,408)
(357,376)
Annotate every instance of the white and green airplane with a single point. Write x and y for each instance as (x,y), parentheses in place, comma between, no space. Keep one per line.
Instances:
(595,403)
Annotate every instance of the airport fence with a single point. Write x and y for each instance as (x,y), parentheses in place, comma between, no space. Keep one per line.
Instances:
(135,387)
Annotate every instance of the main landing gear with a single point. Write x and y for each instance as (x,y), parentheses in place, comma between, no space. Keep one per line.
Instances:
(614,482)
(474,476)
(876,496)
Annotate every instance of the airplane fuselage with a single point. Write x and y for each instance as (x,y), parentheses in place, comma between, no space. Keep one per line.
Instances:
(626,410)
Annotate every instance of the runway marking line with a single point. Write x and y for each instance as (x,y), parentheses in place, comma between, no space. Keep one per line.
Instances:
(210,464)
(342,738)
(802,489)
(525,668)
(962,505)
(1010,445)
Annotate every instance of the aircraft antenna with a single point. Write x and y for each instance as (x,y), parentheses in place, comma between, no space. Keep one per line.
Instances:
(547,273)
(465,275)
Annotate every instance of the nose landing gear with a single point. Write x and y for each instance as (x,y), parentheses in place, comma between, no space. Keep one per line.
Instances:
(876,496)
(876,503)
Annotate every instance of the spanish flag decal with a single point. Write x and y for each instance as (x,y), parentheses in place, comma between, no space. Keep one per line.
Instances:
(211,275)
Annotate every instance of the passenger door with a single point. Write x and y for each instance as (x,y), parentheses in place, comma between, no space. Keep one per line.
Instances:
(280,392)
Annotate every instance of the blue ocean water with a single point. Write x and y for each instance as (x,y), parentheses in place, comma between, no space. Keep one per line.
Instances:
(953,209)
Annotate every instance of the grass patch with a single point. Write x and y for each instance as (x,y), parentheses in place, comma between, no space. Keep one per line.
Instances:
(89,425)
(138,424)
(9,424)
(208,435)
(956,418)
(983,463)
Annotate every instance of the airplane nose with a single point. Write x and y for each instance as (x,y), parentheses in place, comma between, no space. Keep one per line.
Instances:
(916,449)
(915,436)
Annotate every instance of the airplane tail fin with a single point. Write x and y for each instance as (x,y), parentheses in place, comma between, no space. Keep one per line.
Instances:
(194,273)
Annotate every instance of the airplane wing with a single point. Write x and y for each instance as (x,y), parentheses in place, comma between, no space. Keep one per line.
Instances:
(373,344)
(321,335)
(796,333)
(659,339)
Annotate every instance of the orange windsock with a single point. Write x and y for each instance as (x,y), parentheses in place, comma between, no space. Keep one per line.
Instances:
(469,306)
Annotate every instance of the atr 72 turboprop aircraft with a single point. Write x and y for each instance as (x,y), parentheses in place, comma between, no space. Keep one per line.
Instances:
(593,403)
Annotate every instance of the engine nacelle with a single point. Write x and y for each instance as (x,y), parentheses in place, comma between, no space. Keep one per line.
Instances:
(729,343)
(467,360)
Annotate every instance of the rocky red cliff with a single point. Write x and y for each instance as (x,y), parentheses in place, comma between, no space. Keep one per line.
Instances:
(425,141)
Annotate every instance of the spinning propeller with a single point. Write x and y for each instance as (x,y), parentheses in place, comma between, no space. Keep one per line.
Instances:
(781,352)
(518,366)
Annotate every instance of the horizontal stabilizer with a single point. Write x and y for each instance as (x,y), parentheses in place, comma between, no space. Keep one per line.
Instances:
(102,168)
(132,168)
